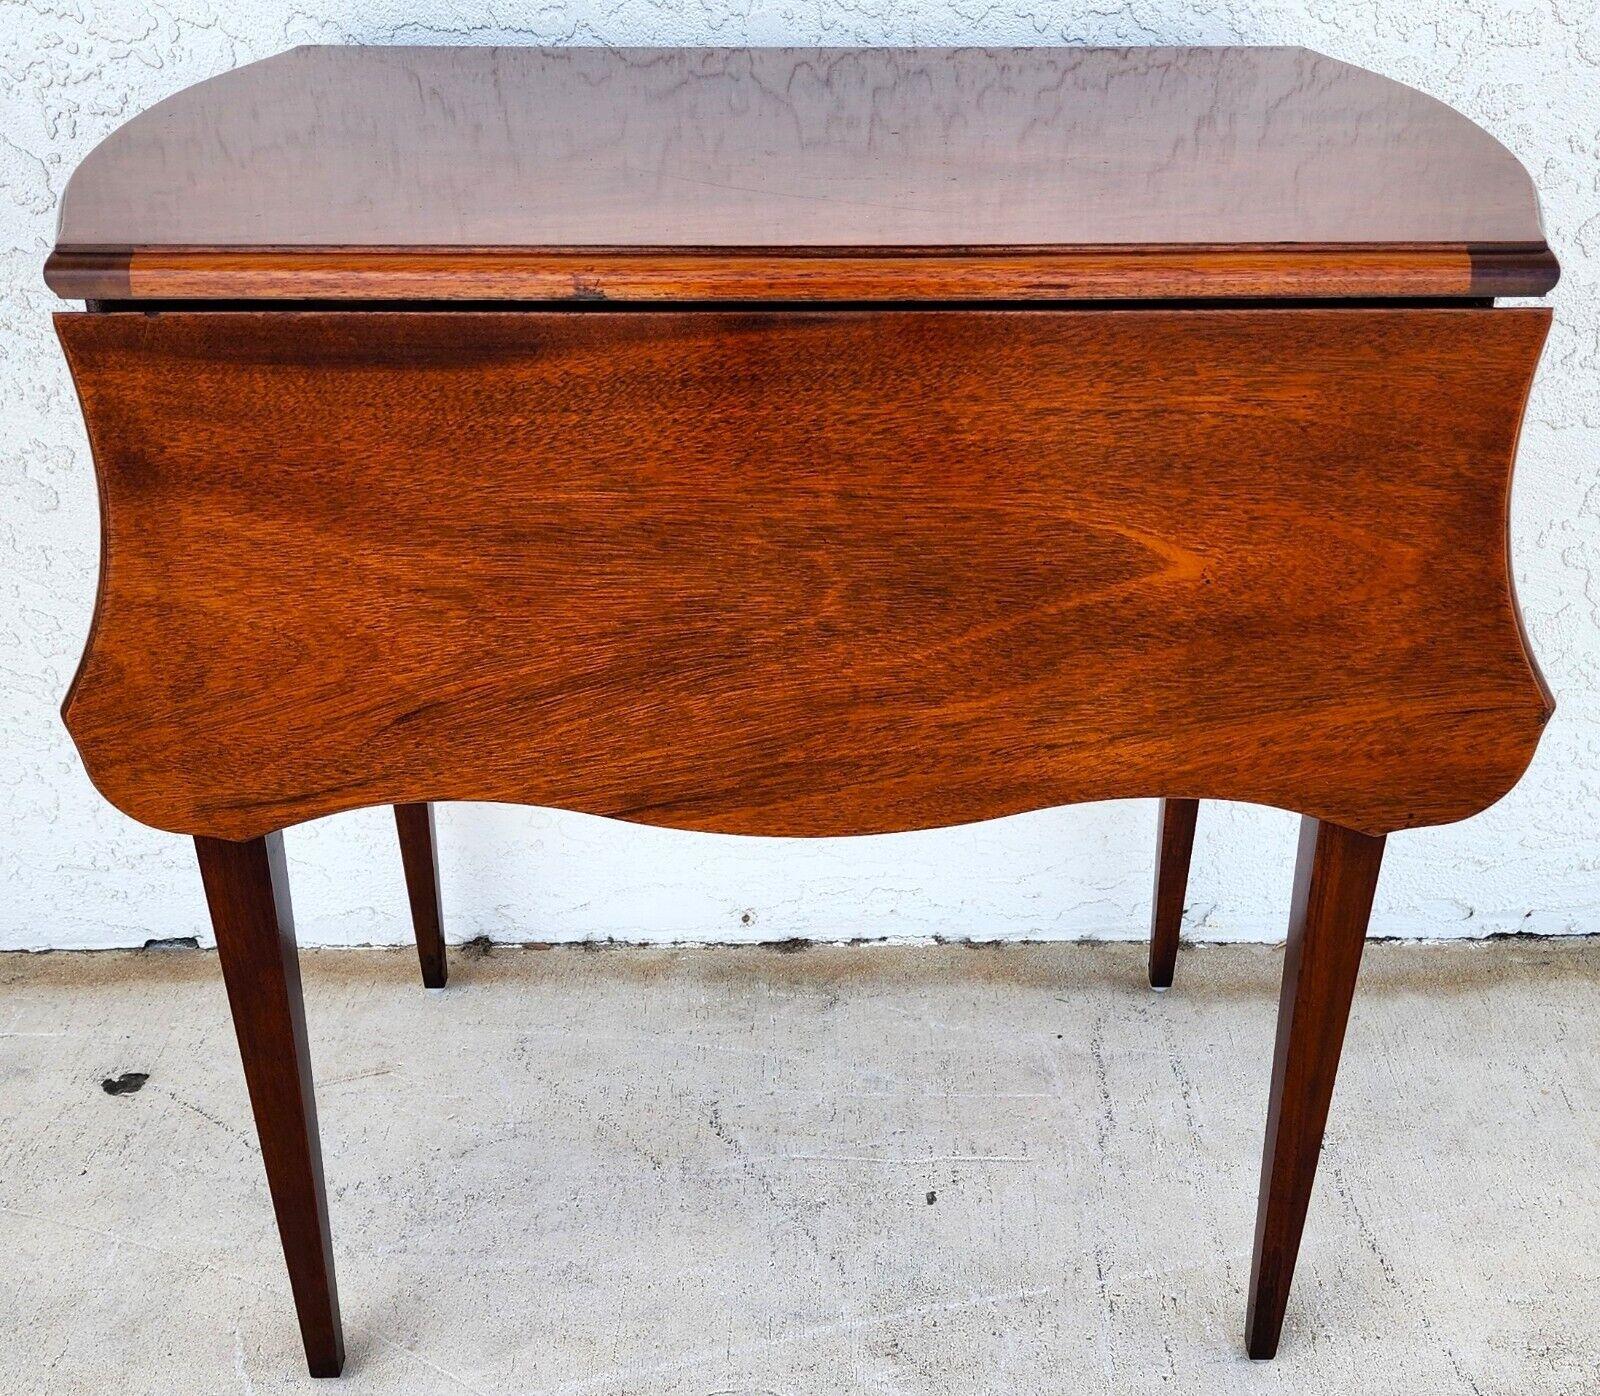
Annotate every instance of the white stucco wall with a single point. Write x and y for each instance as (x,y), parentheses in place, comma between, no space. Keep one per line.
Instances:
(74,873)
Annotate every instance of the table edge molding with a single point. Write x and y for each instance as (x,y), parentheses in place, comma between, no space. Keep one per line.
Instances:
(588,274)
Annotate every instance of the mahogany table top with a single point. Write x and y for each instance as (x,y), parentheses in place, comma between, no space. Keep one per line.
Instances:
(908,174)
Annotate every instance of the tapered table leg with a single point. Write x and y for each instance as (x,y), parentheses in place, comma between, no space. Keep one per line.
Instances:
(1176,821)
(1335,875)
(419,854)
(248,892)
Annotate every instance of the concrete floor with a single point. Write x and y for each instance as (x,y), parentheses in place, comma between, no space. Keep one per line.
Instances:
(902,1170)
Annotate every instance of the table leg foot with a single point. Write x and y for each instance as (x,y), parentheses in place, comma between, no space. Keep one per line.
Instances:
(1335,876)
(1176,821)
(248,892)
(419,854)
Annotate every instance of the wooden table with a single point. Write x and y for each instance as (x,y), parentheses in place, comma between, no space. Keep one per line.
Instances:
(801,443)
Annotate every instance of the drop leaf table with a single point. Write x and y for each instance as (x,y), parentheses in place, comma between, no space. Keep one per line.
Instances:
(799,442)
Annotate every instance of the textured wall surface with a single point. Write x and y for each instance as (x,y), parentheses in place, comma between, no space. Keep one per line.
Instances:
(73,872)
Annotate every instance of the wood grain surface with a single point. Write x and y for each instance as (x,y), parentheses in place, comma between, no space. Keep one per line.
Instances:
(419,853)
(247,890)
(1335,878)
(1400,271)
(804,573)
(899,174)
(1175,823)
